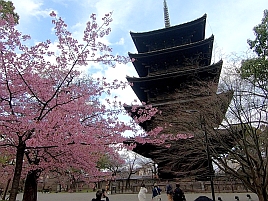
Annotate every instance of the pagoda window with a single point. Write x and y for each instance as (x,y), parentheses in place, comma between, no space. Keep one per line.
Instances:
(147,93)
(153,93)
(177,43)
(153,69)
(186,41)
(149,47)
(191,38)
(153,47)
(148,69)
(182,40)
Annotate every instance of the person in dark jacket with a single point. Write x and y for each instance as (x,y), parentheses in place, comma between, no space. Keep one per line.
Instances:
(100,196)
(169,191)
(156,196)
(178,194)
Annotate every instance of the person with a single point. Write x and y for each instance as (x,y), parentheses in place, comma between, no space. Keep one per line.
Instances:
(203,198)
(169,191)
(156,196)
(104,194)
(100,196)
(178,194)
(107,188)
(95,186)
(142,193)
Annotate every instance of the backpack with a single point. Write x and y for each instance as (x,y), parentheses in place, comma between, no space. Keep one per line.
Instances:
(169,189)
(178,195)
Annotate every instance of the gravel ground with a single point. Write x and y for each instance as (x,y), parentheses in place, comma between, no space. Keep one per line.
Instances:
(133,197)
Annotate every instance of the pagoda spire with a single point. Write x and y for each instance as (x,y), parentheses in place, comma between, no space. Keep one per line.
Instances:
(166,15)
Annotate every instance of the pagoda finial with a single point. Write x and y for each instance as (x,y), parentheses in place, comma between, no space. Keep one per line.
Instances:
(167,21)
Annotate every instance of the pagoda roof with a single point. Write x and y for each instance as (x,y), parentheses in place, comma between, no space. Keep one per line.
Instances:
(173,55)
(172,35)
(173,79)
(188,111)
(190,161)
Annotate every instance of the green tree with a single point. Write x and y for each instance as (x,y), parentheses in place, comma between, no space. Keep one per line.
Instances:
(259,45)
(7,7)
(256,69)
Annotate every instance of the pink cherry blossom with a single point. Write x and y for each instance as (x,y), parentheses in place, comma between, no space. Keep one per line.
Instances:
(52,118)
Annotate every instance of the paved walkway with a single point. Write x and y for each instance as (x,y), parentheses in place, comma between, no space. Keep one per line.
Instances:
(133,197)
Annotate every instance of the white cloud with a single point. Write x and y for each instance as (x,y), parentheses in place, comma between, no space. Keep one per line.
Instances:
(28,8)
(119,72)
(121,41)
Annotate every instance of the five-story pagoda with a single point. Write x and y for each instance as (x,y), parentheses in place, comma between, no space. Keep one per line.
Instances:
(177,77)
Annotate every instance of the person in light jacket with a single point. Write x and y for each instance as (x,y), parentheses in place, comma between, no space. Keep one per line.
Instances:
(142,193)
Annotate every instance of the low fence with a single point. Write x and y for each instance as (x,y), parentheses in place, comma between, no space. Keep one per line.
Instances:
(221,185)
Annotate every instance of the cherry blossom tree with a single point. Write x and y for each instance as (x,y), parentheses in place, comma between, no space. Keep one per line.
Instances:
(52,116)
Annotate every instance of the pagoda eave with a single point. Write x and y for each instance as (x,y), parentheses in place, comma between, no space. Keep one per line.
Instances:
(172,28)
(143,40)
(214,68)
(201,49)
(189,110)
(181,157)
(174,79)
(195,45)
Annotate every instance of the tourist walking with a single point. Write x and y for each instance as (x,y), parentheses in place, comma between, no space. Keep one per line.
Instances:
(142,193)
(156,193)
(100,196)
(178,194)
(169,191)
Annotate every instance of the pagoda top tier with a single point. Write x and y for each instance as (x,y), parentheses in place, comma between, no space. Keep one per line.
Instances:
(181,34)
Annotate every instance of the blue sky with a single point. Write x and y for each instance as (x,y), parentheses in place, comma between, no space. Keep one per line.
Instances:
(231,22)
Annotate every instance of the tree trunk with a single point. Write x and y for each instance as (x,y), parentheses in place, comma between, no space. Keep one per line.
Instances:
(17,173)
(262,194)
(30,189)
(5,192)
(128,182)
(72,184)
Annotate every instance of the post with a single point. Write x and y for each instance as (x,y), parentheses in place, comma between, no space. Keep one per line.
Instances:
(211,172)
